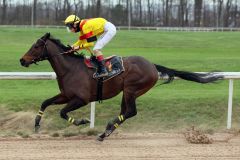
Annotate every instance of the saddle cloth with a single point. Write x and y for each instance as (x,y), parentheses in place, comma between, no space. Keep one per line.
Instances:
(114,65)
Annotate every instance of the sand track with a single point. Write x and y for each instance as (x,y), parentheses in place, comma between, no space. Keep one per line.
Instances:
(120,147)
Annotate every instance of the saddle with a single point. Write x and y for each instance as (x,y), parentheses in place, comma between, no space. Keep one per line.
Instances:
(114,65)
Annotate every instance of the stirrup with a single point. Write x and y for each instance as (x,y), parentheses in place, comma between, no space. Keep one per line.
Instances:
(99,75)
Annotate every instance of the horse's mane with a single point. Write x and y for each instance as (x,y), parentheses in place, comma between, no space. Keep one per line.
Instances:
(63,47)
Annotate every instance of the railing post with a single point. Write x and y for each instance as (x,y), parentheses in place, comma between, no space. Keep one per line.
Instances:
(230,99)
(92,115)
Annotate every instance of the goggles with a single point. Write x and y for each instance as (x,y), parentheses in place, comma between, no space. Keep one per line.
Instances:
(69,25)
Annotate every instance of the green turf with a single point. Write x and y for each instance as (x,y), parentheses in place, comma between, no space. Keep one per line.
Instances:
(165,107)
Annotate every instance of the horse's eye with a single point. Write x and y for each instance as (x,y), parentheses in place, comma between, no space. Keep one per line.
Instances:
(36,46)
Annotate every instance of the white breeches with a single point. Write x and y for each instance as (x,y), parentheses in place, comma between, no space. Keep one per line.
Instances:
(108,34)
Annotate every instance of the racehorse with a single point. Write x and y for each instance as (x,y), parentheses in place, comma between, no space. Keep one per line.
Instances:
(78,87)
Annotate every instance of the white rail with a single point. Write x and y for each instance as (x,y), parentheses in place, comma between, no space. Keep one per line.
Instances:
(51,75)
(27,75)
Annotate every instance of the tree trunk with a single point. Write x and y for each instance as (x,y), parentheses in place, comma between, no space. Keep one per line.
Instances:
(207,18)
(57,10)
(98,8)
(66,8)
(149,12)
(186,22)
(140,11)
(227,13)
(77,6)
(47,12)
(219,19)
(214,13)
(34,12)
(182,14)
(129,12)
(4,12)
(167,13)
(197,13)
(235,13)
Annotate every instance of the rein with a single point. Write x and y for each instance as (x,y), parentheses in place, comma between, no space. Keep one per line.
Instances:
(44,54)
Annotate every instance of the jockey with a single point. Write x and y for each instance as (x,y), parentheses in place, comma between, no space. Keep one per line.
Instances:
(94,29)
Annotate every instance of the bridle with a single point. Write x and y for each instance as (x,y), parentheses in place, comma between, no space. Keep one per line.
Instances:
(43,55)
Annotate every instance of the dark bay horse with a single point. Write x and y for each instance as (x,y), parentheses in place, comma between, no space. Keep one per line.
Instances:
(78,88)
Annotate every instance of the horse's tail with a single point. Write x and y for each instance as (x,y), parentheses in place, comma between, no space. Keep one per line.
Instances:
(189,76)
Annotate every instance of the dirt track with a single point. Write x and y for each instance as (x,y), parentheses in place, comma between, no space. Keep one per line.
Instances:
(121,147)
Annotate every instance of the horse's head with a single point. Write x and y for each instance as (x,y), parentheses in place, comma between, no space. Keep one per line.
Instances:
(37,52)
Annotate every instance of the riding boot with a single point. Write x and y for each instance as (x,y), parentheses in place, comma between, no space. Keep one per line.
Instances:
(102,70)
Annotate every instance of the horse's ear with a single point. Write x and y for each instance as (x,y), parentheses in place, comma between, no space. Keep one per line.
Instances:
(46,36)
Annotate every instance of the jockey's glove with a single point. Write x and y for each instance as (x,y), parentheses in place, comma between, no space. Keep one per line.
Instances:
(75,48)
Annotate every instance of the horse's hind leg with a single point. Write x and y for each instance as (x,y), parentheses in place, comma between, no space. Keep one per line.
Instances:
(128,110)
(58,99)
(123,106)
(73,104)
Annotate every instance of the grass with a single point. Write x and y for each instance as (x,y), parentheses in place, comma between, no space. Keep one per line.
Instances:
(167,107)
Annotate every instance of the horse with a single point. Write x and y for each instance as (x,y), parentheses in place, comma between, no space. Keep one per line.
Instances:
(78,87)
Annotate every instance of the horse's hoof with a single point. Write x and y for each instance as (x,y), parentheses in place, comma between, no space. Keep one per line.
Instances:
(108,132)
(86,120)
(100,139)
(78,122)
(37,128)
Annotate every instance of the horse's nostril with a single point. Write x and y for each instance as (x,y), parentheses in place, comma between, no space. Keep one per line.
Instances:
(22,61)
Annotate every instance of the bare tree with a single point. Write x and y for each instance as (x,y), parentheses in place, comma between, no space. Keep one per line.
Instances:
(149,12)
(66,8)
(137,12)
(4,11)
(140,10)
(98,8)
(170,12)
(220,8)
(214,13)
(92,8)
(235,13)
(78,4)
(207,15)
(182,13)
(47,8)
(129,12)
(197,13)
(159,14)
(167,13)
(88,9)
(227,13)
(34,11)
(119,14)
(186,14)
(57,9)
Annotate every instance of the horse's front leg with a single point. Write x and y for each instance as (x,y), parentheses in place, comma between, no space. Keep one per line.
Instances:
(58,99)
(72,105)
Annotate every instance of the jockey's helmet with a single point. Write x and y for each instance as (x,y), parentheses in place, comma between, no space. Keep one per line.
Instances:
(71,20)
